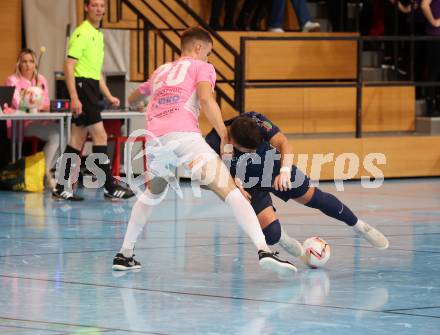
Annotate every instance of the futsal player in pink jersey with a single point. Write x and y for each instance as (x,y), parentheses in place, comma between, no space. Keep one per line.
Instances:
(178,92)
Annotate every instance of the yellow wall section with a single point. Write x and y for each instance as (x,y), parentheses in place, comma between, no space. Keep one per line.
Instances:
(10,31)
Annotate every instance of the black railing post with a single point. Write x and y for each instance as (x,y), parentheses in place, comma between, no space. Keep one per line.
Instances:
(412,42)
(109,11)
(155,50)
(240,81)
(145,58)
(138,44)
(358,14)
(359,83)
(119,11)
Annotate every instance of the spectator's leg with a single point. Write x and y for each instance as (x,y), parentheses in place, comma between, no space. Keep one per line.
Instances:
(215,14)
(244,18)
(229,15)
(261,12)
(277,14)
(302,12)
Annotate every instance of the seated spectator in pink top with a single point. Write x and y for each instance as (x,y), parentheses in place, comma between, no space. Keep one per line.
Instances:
(25,76)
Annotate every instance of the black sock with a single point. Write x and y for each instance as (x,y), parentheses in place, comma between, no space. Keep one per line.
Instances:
(102,149)
(332,206)
(69,163)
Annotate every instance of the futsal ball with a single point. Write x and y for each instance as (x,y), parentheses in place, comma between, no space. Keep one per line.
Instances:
(316,252)
(33,98)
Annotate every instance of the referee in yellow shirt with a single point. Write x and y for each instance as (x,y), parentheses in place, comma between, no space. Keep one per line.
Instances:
(83,70)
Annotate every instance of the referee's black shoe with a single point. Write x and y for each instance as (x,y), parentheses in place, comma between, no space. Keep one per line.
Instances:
(117,191)
(59,193)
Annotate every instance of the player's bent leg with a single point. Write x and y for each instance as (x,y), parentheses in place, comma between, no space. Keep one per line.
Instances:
(141,212)
(333,207)
(274,233)
(224,186)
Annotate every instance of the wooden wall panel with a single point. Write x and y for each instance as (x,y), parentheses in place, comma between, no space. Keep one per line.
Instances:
(311,151)
(284,106)
(306,110)
(388,108)
(10,32)
(333,110)
(329,110)
(410,156)
(406,156)
(301,60)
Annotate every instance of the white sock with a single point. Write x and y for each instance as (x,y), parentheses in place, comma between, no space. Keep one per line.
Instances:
(140,214)
(246,218)
(359,226)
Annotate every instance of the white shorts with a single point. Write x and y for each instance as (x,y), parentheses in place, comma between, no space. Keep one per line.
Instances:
(166,153)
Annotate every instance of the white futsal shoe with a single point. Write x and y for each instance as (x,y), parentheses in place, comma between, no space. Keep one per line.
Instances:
(270,261)
(291,245)
(372,235)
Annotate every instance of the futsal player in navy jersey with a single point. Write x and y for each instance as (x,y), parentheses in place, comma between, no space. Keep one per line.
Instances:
(257,141)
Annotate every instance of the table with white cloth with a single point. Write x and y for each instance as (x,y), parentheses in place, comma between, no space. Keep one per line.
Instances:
(19,117)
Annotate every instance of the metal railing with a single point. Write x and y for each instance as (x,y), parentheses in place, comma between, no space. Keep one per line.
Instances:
(145,25)
(358,81)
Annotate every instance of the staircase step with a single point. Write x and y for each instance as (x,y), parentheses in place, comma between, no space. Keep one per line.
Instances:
(325,24)
(420,107)
(318,10)
(371,58)
(373,74)
(428,125)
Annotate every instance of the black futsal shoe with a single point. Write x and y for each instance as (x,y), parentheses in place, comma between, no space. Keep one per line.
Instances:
(270,261)
(122,263)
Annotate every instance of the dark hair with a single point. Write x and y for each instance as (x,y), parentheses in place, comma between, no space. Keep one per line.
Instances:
(193,34)
(246,133)
(86,2)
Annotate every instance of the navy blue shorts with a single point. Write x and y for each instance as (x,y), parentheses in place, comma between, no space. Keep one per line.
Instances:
(261,198)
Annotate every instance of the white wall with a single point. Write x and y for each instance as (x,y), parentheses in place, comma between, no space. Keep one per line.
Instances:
(45,25)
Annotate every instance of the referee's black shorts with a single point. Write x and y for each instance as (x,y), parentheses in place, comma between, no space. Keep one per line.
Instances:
(89,95)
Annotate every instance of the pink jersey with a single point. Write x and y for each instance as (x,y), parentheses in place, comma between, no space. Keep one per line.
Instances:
(21,84)
(174,105)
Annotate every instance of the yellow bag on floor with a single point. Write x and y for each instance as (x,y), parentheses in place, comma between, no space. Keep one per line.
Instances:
(26,174)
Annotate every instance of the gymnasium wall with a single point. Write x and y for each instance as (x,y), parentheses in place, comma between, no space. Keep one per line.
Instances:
(46,25)
(10,32)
